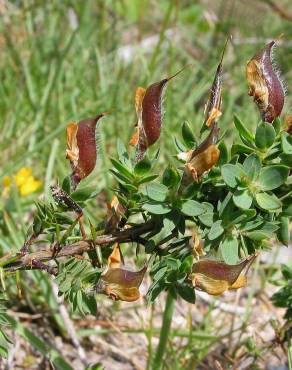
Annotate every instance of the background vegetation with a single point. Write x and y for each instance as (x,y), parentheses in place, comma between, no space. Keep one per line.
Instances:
(64,61)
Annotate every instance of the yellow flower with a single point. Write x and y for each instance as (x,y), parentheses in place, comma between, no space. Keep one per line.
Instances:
(24,181)
(29,186)
(22,175)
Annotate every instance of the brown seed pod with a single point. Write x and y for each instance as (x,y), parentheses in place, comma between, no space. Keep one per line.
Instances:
(214,277)
(213,106)
(264,84)
(81,152)
(149,111)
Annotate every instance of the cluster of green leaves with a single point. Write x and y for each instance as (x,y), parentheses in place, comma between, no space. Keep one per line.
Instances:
(76,280)
(236,208)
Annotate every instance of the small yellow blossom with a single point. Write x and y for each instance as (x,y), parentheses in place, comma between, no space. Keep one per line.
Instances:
(24,181)
(29,186)
(22,175)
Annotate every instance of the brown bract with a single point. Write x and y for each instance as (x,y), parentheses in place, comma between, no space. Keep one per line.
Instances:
(81,150)
(118,282)
(264,84)
(214,277)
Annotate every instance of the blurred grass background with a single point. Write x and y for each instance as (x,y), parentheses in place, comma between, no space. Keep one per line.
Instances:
(63,61)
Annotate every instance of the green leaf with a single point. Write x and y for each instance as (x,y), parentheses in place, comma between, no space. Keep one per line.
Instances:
(258,235)
(186,265)
(170,177)
(192,208)
(242,199)
(277,125)
(240,148)
(147,179)
(286,159)
(188,136)
(122,169)
(81,195)
(287,211)
(268,202)
(156,191)
(252,166)
(156,208)
(66,184)
(272,177)
(283,233)
(231,173)
(216,230)
(186,292)
(224,156)
(286,141)
(229,250)
(265,135)
(122,154)
(207,218)
(242,130)
(142,167)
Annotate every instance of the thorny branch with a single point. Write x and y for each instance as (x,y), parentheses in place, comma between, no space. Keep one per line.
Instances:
(19,261)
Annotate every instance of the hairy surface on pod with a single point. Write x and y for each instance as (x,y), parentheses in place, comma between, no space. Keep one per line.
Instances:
(151,111)
(82,153)
(265,85)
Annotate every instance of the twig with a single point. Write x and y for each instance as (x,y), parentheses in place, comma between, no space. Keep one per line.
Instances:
(25,262)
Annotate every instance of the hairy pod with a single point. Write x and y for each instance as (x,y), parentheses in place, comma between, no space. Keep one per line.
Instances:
(214,103)
(81,142)
(148,104)
(264,84)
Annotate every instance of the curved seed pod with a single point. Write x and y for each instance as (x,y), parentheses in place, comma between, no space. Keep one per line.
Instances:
(203,158)
(214,277)
(213,106)
(264,84)
(118,282)
(149,112)
(81,152)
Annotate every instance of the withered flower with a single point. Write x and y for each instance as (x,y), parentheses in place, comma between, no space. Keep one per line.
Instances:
(214,277)
(118,282)
(81,152)
(203,158)
(264,84)
(115,213)
(149,115)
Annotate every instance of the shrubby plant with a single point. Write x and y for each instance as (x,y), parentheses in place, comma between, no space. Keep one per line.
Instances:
(198,224)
